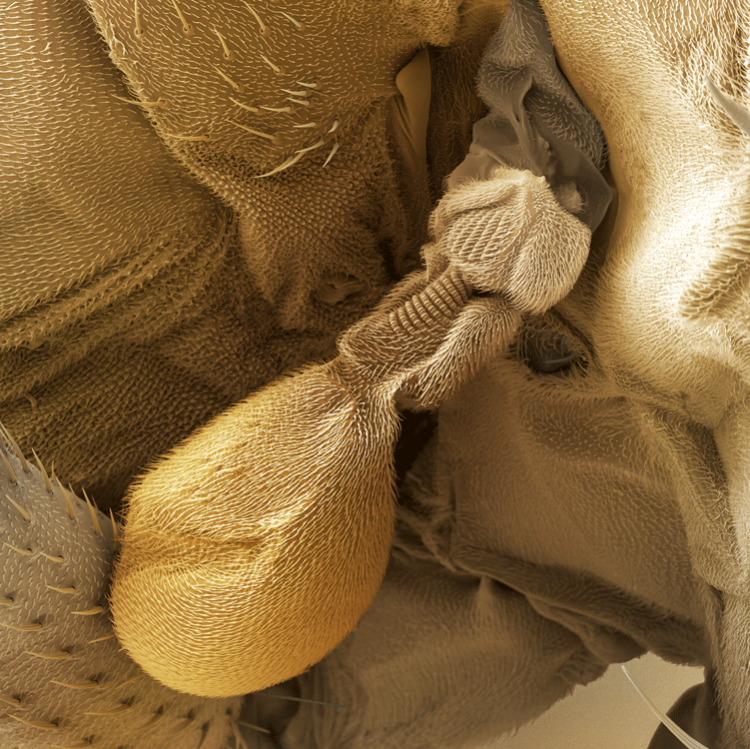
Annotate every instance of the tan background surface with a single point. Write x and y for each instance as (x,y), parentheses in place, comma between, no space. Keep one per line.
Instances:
(608,714)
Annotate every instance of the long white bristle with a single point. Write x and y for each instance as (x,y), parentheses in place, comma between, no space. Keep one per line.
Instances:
(669,724)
